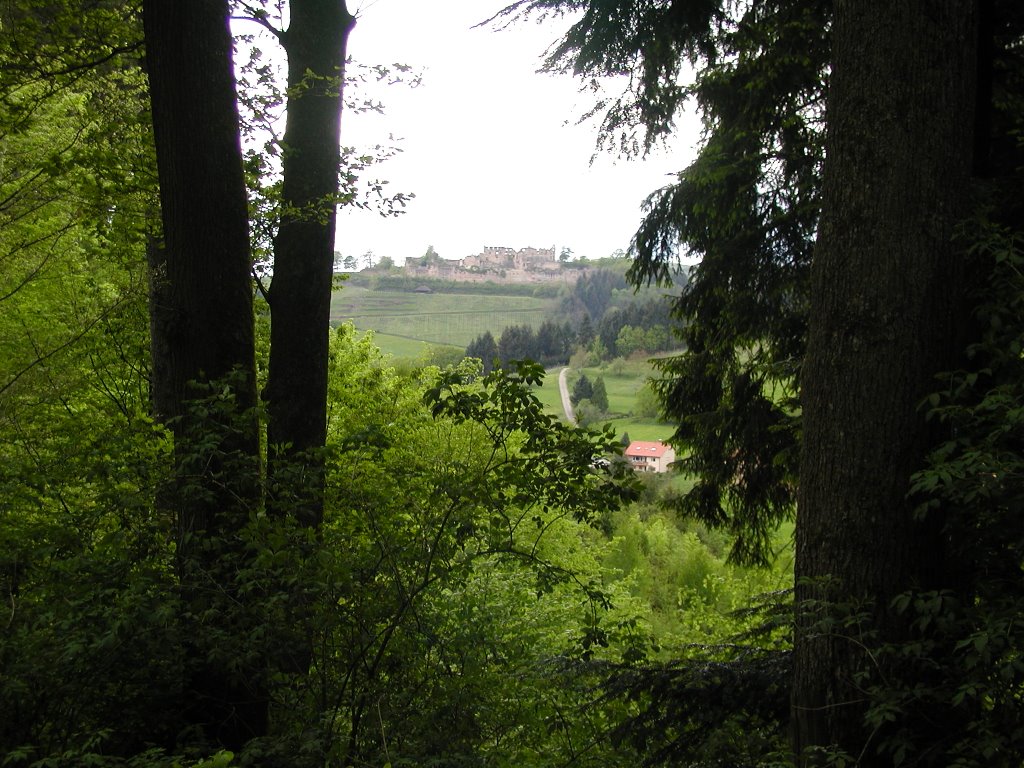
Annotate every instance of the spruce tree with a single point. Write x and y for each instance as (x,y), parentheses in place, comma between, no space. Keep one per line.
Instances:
(599,395)
(582,389)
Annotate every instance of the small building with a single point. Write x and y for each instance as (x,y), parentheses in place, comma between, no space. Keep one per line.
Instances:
(647,456)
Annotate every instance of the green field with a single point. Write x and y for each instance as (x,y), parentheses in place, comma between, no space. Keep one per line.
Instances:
(642,429)
(437,318)
(548,394)
(398,346)
(622,381)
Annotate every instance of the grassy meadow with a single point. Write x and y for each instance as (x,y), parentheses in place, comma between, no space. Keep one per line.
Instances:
(548,393)
(622,381)
(436,318)
(400,346)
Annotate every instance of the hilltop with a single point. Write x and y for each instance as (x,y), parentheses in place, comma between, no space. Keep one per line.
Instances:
(494,264)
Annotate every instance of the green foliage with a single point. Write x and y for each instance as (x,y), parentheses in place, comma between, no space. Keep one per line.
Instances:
(723,706)
(598,351)
(747,207)
(70,238)
(451,583)
(582,389)
(599,395)
(647,404)
(430,256)
(485,349)
(717,690)
(587,414)
(89,647)
(562,457)
(679,572)
(517,342)
(630,340)
(592,293)
(453,566)
(554,342)
(441,356)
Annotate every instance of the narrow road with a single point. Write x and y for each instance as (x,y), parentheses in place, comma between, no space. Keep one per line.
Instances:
(563,388)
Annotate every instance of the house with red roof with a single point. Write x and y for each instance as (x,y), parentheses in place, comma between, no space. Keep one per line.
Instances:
(648,456)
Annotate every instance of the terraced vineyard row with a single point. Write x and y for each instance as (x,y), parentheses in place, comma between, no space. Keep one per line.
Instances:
(451,319)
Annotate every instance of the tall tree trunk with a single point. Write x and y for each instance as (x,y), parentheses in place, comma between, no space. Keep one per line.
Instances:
(202,331)
(300,294)
(885,308)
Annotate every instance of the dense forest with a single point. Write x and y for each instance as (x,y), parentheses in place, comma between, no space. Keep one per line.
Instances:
(598,314)
(230,535)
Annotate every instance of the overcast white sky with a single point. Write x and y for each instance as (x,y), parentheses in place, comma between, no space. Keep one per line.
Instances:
(490,148)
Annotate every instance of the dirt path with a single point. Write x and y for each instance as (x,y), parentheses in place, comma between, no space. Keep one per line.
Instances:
(563,388)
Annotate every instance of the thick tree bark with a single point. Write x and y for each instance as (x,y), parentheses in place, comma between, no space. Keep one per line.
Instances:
(202,195)
(202,331)
(300,294)
(886,304)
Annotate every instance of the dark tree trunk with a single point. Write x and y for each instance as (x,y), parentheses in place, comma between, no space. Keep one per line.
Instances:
(202,195)
(202,331)
(300,294)
(886,284)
